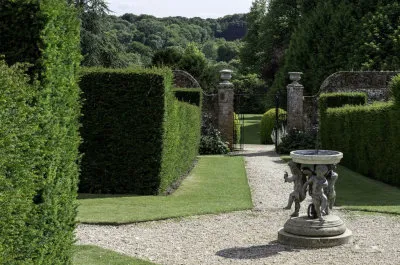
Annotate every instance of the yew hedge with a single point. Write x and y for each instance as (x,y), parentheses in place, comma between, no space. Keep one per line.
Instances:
(138,137)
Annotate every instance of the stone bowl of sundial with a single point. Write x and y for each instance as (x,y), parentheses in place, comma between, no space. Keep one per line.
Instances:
(316,157)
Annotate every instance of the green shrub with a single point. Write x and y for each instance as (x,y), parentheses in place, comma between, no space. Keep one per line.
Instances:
(368,138)
(138,138)
(394,87)
(297,140)
(268,123)
(211,142)
(339,99)
(45,34)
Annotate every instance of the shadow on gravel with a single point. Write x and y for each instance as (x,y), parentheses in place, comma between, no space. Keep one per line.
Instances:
(267,153)
(255,252)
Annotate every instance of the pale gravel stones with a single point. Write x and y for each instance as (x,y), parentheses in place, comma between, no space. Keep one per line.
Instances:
(249,237)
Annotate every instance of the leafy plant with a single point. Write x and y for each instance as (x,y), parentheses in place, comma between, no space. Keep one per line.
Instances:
(297,140)
(211,141)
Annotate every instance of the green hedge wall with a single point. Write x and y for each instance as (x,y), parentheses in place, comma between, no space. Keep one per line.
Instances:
(181,138)
(339,99)
(189,95)
(267,125)
(368,138)
(18,145)
(46,34)
(138,138)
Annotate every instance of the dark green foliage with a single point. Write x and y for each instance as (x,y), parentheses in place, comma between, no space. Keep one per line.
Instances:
(189,95)
(341,36)
(380,46)
(297,140)
(368,138)
(138,138)
(211,141)
(267,124)
(251,94)
(167,57)
(339,99)
(270,28)
(133,40)
(14,33)
(228,51)
(41,172)
(319,38)
(394,87)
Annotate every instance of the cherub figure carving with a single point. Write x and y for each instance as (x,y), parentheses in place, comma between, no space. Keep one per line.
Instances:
(318,182)
(296,196)
(330,192)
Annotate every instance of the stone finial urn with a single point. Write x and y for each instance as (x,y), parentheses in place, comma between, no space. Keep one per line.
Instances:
(226,75)
(295,77)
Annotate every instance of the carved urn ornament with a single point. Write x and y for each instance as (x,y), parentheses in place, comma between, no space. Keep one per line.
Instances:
(295,77)
(226,76)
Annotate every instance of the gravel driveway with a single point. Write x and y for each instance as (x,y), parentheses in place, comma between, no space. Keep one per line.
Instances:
(249,237)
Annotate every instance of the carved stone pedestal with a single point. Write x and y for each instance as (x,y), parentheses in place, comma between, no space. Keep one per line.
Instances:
(312,170)
(313,233)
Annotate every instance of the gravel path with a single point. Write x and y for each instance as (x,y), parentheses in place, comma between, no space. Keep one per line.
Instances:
(248,237)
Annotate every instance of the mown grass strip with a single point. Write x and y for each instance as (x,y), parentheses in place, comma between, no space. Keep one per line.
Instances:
(252,128)
(217,184)
(93,255)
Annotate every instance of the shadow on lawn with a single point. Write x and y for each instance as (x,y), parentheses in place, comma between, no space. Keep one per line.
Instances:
(85,196)
(255,154)
(255,252)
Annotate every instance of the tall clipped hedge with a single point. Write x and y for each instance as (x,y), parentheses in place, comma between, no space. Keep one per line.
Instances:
(138,137)
(41,173)
(367,136)
(339,99)
(18,151)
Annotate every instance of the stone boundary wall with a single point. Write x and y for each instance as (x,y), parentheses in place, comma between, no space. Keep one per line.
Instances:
(374,83)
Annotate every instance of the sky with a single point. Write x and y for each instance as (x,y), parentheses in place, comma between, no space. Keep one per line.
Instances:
(183,8)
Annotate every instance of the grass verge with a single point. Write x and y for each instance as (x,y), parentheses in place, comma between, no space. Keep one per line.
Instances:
(356,192)
(251,128)
(93,255)
(359,193)
(216,184)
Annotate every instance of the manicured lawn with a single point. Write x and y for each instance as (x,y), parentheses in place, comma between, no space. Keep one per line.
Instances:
(359,193)
(356,192)
(216,184)
(93,255)
(252,128)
